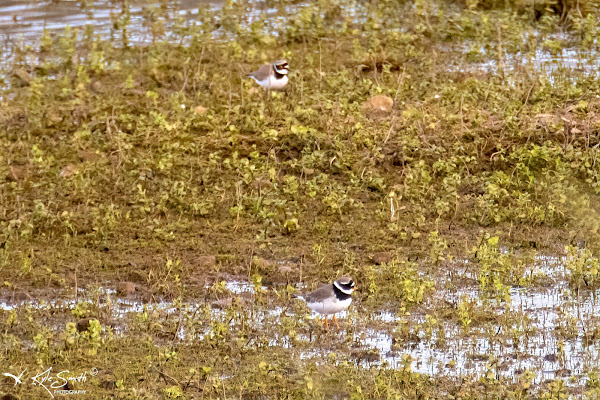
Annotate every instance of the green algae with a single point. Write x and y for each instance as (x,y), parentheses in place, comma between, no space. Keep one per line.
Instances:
(162,165)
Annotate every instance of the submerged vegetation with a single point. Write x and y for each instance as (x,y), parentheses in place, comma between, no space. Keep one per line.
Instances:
(157,169)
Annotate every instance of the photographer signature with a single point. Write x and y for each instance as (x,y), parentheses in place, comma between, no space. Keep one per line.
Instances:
(56,382)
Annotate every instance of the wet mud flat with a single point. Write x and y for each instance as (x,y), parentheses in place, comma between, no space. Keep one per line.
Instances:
(158,210)
(540,332)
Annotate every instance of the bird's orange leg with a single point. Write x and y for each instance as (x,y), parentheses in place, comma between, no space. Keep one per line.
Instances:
(326,325)
(335,322)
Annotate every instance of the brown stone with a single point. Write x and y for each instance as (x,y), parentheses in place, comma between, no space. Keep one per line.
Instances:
(377,106)
(110,384)
(200,110)
(382,257)
(125,288)
(67,171)
(106,378)
(83,324)
(98,87)
(24,76)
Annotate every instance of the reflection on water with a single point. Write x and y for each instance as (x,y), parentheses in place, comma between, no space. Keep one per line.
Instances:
(27,19)
(547,330)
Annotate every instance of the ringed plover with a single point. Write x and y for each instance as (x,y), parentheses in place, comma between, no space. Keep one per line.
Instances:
(272,76)
(331,298)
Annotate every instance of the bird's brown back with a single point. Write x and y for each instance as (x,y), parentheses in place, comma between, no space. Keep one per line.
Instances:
(263,72)
(320,294)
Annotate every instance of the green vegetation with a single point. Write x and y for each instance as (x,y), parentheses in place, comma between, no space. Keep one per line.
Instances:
(160,164)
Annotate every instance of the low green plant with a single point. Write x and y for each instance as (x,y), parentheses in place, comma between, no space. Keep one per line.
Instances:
(583,267)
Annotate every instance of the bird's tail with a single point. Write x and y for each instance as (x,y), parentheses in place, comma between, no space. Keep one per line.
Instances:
(298,296)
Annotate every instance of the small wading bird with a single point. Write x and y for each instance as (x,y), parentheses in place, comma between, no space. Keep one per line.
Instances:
(271,76)
(331,298)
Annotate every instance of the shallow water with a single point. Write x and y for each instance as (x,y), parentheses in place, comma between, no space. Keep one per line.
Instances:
(25,21)
(545,330)
(28,19)
(22,23)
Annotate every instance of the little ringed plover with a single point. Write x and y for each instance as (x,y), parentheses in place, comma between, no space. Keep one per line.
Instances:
(331,298)
(272,76)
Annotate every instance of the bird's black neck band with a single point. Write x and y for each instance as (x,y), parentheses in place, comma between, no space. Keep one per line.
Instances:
(341,296)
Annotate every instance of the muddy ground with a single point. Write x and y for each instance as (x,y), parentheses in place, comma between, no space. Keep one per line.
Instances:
(158,210)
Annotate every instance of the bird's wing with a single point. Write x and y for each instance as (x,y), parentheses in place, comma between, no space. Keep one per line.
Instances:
(319,294)
(262,72)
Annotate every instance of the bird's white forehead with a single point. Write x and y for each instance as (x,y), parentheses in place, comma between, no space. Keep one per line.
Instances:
(345,291)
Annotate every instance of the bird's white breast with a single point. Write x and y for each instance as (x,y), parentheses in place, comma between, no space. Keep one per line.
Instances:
(272,83)
(330,305)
